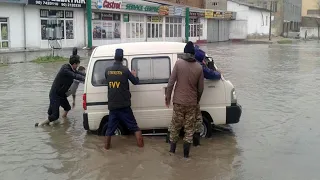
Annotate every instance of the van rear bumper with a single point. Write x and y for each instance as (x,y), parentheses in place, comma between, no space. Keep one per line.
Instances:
(233,113)
(85,121)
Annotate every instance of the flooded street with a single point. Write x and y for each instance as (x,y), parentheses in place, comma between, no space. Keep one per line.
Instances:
(277,137)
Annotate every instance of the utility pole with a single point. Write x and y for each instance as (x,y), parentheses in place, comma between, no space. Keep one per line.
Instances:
(187,26)
(270,20)
(89,23)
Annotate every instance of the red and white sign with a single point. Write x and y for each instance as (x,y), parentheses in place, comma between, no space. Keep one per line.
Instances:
(110,4)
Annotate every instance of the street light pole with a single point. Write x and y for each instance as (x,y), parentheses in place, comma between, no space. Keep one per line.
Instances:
(270,21)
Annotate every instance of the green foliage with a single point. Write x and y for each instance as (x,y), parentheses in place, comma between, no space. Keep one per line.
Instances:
(47,59)
(285,41)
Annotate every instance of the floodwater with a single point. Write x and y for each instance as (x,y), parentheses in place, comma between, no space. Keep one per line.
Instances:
(277,137)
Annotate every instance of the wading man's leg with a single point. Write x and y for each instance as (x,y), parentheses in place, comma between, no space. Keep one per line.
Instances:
(66,106)
(129,120)
(189,128)
(196,136)
(113,123)
(53,111)
(176,125)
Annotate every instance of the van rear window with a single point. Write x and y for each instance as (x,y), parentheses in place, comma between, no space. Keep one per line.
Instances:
(99,70)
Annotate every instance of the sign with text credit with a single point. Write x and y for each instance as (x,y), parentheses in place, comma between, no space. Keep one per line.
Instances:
(60,3)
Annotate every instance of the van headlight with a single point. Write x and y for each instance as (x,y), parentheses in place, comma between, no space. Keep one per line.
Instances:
(233,96)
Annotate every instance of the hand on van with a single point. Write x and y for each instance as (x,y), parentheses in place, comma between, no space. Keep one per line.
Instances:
(134,73)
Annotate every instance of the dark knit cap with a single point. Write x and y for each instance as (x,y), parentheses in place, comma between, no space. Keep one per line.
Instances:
(118,55)
(189,48)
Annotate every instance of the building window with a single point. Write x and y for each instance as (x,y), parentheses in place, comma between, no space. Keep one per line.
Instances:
(135,27)
(154,26)
(173,26)
(266,20)
(152,70)
(196,28)
(106,26)
(99,70)
(215,3)
(4,33)
(313,12)
(56,24)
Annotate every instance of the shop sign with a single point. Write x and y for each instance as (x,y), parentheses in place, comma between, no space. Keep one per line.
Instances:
(208,14)
(108,4)
(196,14)
(217,14)
(164,10)
(60,3)
(125,17)
(155,19)
(229,15)
(14,1)
(177,11)
(137,7)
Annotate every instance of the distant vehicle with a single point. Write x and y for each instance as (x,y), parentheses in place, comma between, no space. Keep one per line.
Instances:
(153,62)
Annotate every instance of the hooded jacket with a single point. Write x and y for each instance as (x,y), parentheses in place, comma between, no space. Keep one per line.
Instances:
(187,76)
(207,72)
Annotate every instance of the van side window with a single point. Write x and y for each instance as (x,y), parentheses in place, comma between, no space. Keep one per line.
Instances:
(99,69)
(152,70)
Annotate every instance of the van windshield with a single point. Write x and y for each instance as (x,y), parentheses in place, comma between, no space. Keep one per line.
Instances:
(99,69)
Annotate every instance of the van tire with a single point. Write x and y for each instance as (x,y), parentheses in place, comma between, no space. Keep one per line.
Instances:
(207,124)
(120,130)
(103,127)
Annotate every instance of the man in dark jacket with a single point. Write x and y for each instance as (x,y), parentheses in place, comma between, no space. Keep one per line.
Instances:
(119,99)
(208,74)
(59,88)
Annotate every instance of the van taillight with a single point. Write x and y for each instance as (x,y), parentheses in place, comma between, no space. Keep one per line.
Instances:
(84,101)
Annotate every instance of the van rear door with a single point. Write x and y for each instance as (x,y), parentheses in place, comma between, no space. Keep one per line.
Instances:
(147,98)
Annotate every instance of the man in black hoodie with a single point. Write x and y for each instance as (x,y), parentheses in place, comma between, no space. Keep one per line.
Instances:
(60,86)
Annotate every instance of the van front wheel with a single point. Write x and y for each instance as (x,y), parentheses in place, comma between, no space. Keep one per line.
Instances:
(206,129)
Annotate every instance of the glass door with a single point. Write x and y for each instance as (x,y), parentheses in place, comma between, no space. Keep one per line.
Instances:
(4,33)
(154,28)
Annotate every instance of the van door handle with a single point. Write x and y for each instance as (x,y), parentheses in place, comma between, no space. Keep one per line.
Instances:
(212,86)
(165,90)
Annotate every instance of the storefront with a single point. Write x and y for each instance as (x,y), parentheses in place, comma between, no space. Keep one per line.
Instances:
(198,25)
(131,21)
(11,24)
(218,25)
(174,24)
(50,22)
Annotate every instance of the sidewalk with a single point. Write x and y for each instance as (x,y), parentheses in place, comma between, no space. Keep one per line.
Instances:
(19,56)
(274,40)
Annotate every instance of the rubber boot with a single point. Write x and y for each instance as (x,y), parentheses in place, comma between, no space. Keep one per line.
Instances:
(196,139)
(107,142)
(186,149)
(139,138)
(173,147)
(168,137)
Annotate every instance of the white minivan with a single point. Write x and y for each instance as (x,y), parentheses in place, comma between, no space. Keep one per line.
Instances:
(153,62)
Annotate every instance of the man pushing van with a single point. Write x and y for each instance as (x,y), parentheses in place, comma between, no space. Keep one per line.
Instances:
(119,99)
(60,87)
(208,74)
(187,74)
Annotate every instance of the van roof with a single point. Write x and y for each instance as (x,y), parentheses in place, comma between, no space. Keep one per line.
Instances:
(135,48)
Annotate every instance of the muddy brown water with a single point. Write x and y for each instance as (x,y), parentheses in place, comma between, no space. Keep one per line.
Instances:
(277,137)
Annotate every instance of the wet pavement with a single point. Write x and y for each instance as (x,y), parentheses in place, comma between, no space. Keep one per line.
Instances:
(277,137)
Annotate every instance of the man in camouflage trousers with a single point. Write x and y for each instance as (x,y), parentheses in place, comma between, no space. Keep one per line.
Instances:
(211,74)
(187,76)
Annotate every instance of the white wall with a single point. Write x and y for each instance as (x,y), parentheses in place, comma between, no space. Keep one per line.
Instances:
(257,20)
(14,13)
(34,23)
(312,32)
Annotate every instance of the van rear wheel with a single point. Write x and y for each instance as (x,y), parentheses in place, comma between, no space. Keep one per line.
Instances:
(118,132)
